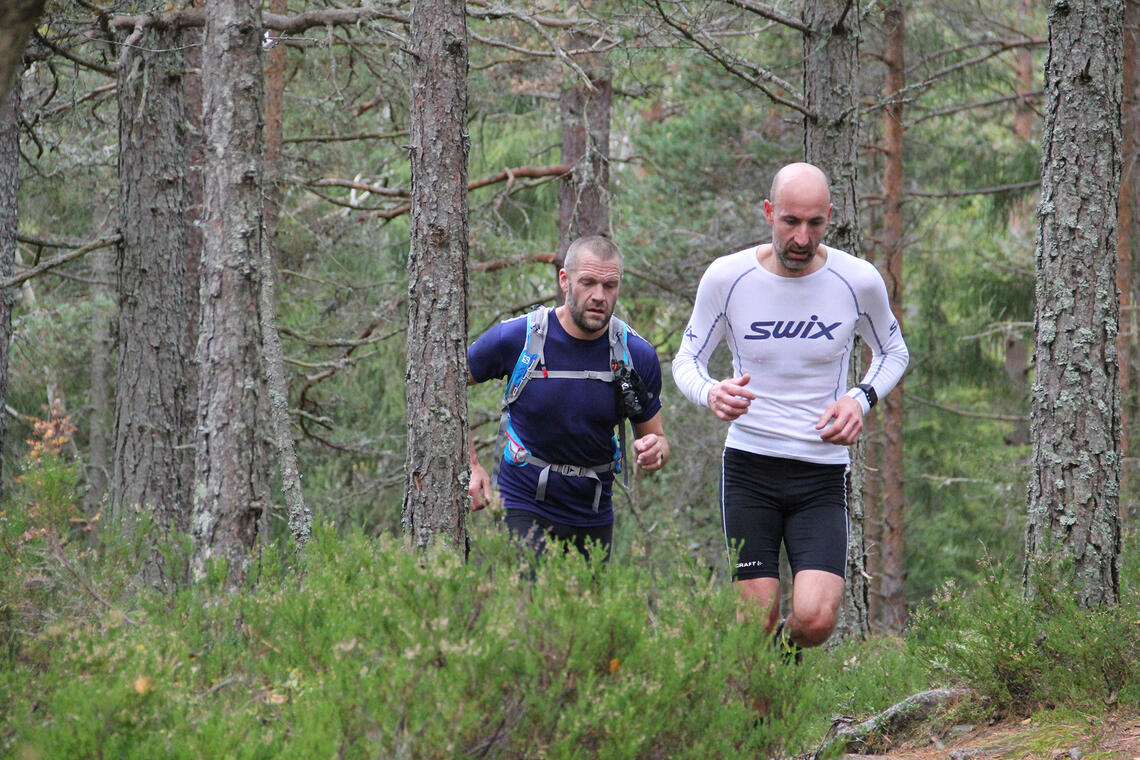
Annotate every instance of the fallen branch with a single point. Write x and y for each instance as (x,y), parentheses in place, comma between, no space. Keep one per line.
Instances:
(876,734)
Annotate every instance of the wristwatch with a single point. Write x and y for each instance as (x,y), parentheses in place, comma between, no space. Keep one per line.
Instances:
(869,392)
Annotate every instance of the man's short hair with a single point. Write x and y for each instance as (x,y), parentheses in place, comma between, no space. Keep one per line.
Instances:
(599,245)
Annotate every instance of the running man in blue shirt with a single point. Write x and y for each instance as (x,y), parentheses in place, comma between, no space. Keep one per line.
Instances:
(564,419)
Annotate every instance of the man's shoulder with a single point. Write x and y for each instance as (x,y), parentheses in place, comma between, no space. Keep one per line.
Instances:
(737,261)
(840,259)
(637,343)
(513,328)
(725,270)
(507,334)
(851,267)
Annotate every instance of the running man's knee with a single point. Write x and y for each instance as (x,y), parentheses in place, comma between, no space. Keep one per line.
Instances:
(813,629)
(816,597)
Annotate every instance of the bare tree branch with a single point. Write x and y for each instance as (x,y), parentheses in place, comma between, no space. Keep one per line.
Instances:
(196,17)
(364,187)
(1000,46)
(497,264)
(65,53)
(738,67)
(557,52)
(1026,96)
(23,277)
(772,14)
(497,12)
(981,190)
(964,413)
(504,176)
(346,138)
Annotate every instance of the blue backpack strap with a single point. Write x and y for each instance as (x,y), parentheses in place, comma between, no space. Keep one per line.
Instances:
(530,359)
(619,341)
(532,355)
(619,351)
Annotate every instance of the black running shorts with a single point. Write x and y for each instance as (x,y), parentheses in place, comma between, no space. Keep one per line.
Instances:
(766,500)
(535,531)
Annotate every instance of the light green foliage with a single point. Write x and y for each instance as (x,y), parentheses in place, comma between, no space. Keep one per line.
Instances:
(370,648)
(378,650)
(965,483)
(1029,655)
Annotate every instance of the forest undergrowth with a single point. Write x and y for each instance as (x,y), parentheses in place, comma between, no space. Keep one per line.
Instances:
(363,647)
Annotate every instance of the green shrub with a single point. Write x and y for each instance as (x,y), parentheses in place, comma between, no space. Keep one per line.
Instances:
(1028,655)
(373,649)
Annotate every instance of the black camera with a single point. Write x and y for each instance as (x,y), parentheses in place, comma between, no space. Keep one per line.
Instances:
(632,397)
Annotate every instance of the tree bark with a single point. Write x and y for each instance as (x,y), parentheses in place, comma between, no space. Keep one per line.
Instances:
(229,490)
(1017,364)
(831,135)
(436,471)
(1128,208)
(892,586)
(154,403)
(9,217)
(17,20)
(101,428)
(1073,500)
(300,517)
(584,194)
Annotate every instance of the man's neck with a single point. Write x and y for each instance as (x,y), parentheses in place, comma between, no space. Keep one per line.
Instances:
(571,327)
(767,258)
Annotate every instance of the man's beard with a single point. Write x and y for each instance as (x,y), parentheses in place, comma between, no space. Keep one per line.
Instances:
(796,264)
(579,315)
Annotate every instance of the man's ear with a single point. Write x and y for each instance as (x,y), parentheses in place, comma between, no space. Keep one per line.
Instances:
(768,210)
(563,280)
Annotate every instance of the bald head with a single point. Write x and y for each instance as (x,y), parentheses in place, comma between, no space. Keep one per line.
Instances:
(601,247)
(798,211)
(805,182)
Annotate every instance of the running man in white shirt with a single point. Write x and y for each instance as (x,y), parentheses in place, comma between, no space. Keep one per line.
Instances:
(789,312)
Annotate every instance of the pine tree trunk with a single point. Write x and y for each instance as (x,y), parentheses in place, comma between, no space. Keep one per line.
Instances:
(584,194)
(892,502)
(154,408)
(300,517)
(1128,208)
(831,137)
(17,20)
(229,490)
(1017,366)
(1074,482)
(9,217)
(101,428)
(436,471)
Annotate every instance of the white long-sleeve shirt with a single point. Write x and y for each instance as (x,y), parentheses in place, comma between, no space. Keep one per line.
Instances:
(794,336)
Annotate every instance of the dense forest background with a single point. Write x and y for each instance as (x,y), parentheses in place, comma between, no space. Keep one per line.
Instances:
(707,102)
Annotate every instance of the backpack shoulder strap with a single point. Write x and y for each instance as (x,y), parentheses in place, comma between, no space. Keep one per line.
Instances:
(619,352)
(531,357)
(619,342)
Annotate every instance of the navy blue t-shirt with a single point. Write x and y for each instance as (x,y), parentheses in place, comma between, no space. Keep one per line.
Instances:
(563,420)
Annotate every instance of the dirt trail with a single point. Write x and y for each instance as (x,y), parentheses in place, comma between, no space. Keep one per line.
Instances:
(1096,738)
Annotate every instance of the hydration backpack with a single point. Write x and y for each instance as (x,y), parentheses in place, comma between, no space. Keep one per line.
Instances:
(531,365)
